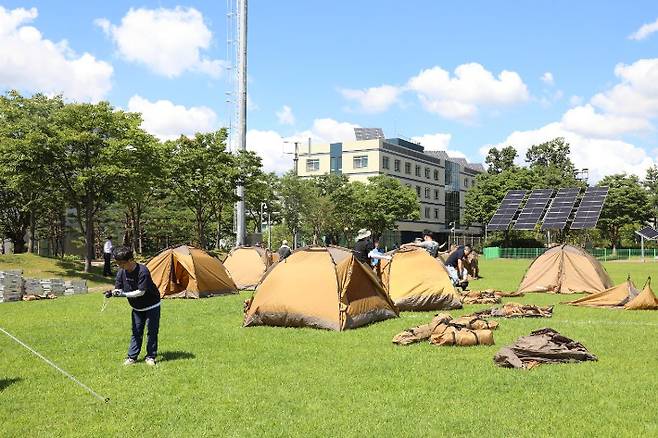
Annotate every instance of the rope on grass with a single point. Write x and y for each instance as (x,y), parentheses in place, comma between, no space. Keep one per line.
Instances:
(49,362)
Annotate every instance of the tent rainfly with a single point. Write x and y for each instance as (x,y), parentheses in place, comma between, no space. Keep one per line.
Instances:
(565,269)
(188,272)
(624,295)
(314,288)
(417,281)
(247,264)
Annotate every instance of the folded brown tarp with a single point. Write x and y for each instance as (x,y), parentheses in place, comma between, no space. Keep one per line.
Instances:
(34,297)
(443,323)
(516,310)
(541,346)
(481,297)
(454,334)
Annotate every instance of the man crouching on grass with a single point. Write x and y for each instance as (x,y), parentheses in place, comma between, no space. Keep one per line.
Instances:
(134,282)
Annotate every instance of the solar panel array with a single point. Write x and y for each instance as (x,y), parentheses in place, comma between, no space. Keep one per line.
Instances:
(505,213)
(648,233)
(558,213)
(368,133)
(534,209)
(590,208)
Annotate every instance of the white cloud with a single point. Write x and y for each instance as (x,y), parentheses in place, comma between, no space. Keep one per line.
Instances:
(374,99)
(644,31)
(472,86)
(168,121)
(575,100)
(586,121)
(434,142)
(269,145)
(285,116)
(637,94)
(547,78)
(167,41)
(30,62)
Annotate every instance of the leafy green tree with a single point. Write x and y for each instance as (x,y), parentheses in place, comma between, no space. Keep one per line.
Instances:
(14,219)
(200,171)
(82,161)
(650,183)
(501,160)
(26,129)
(627,203)
(386,201)
(295,195)
(141,174)
(554,154)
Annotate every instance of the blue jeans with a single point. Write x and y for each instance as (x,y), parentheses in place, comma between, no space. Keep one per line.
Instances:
(150,319)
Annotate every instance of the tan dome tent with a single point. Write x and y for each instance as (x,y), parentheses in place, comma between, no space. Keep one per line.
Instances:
(188,272)
(565,269)
(311,288)
(247,264)
(624,295)
(616,296)
(417,281)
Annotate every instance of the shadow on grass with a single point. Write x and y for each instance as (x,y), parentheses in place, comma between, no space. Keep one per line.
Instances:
(175,355)
(4,383)
(75,269)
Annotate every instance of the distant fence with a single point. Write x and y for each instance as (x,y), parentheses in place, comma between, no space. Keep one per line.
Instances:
(603,254)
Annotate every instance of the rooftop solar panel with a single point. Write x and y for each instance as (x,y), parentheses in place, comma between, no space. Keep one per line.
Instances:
(648,233)
(558,213)
(590,208)
(508,208)
(534,209)
(368,133)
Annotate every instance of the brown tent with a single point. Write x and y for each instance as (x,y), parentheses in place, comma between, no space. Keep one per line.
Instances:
(417,281)
(646,300)
(311,288)
(565,269)
(616,296)
(188,272)
(247,264)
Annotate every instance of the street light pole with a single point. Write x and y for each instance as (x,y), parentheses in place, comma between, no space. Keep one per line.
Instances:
(242,117)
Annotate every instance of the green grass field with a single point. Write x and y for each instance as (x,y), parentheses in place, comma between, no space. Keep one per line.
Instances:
(216,378)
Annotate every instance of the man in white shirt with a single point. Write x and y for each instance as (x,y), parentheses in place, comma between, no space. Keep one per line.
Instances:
(107,257)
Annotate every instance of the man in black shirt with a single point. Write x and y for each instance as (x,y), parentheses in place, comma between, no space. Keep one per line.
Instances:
(134,282)
(363,246)
(284,250)
(455,266)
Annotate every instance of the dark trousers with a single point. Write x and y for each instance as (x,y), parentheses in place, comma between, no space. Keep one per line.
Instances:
(150,319)
(107,266)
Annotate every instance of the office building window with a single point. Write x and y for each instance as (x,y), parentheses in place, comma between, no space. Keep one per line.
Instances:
(436,193)
(418,190)
(385,163)
(466,182)
(452,208)
(407,168)
(436,213)
(427,193)
(417,170)
(312,165)
(427,212)
(396,165)
(427,172)
(360,161)
(336,158)
(436,174)
(452,175)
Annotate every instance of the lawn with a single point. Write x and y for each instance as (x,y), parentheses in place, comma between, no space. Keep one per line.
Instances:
(216,378)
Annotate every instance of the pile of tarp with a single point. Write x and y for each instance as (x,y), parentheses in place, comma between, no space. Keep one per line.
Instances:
(516,310)
(444,330)
(540,347)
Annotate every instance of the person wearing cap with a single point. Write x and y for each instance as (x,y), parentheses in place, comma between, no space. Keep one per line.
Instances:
(363,245)
(107,257)
(284,251)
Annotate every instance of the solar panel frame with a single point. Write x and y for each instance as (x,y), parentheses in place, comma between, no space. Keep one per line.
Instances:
(558,212)
(533,209)
(589,210)
(648,233)
(507,210)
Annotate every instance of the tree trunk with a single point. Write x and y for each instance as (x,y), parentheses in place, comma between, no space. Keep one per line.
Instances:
(138,228)
(89,235)
(201,230)
(218,232)
(18,240)
(31,236)
(127,226)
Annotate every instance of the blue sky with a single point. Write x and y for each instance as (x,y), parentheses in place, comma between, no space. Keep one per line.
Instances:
(455,75)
